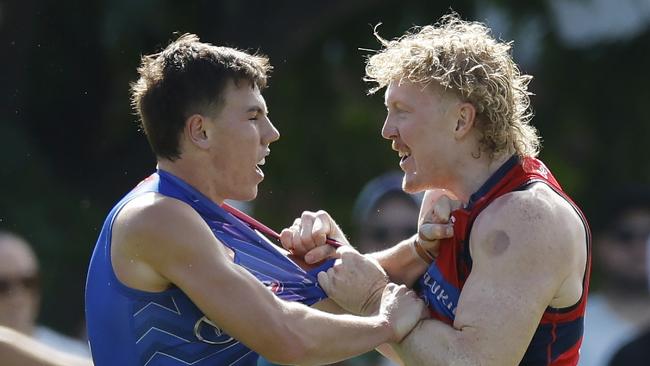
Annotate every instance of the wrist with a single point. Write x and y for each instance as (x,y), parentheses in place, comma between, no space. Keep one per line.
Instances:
(373,303)
(421,252)
(385,327)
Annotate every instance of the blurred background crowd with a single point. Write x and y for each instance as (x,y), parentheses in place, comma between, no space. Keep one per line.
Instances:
(71,145)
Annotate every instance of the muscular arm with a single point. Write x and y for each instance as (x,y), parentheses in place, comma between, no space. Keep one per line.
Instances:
(401,262)
(528,253)
(172,241)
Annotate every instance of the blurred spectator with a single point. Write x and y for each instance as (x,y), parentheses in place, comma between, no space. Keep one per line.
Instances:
(636,352)
(20,295)
(384,214)
(621,307)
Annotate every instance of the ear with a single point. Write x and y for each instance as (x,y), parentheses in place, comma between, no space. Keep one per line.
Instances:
(466,119)
(195,128)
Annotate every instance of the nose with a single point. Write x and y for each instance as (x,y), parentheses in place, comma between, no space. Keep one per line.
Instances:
(388,130)
(271,133)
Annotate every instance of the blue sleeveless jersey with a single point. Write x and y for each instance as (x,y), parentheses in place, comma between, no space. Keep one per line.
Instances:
(129,327)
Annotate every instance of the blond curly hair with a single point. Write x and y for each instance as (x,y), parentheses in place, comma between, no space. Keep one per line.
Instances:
(463,56)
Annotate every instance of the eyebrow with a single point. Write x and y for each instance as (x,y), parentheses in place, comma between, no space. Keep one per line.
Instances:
(257,109)
(395,103)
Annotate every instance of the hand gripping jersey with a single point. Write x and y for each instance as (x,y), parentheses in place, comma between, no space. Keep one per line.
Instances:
(558,337)
(129,327)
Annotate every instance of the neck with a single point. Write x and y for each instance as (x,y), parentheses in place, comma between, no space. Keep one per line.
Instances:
(472,173)
(200,179)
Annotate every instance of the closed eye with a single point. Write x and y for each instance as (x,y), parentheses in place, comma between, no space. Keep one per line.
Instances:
(256,113)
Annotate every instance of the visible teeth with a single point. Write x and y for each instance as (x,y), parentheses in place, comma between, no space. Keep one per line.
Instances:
(403,154)
(261,162)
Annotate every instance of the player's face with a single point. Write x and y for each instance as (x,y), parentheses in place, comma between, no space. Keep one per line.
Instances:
(19,292)
(420,123)
(241,135)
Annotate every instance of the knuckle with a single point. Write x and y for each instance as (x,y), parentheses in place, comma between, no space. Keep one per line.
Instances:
(309,214)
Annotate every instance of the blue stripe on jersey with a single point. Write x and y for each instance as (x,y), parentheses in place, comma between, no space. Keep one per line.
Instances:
(128,327)
(438,293)
(567,335)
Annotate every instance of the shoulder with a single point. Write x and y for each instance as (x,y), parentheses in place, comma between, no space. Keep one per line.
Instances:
(150,208)
(155,217)
(161,231)
(536,221)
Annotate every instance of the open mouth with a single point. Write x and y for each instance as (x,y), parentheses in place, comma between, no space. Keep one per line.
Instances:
(258,166)
(404,155)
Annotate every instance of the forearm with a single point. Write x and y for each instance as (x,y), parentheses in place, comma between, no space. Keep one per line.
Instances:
(433,343)
(328,305)
(323,338)
(401,263)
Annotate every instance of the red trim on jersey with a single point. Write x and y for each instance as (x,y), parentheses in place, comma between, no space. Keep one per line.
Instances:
(454,260)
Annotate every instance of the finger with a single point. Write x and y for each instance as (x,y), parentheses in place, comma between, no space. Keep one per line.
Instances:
(345,251)
(442,210)
(320,253)
(306,228)
(437,205)
(432,231)
(324,282)
(286,239)
(428,202)
(322,227)
(296,243)
(286,236)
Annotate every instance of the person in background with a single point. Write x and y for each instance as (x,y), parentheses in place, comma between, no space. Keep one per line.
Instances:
(20,295)
(634,353)
(620,308)
(384,214)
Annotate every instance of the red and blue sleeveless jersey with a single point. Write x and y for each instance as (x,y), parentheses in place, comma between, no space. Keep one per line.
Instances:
(129,327)
(557,340)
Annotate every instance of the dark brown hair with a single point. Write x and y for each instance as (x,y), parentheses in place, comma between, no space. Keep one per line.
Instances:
(186,78)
